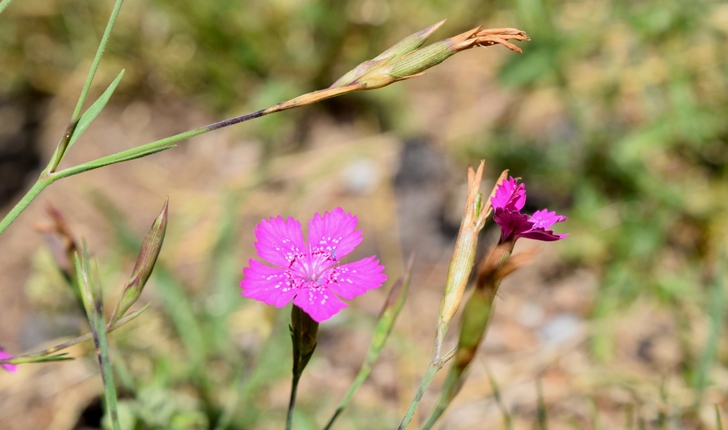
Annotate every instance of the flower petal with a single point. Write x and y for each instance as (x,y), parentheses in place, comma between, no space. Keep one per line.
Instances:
(543,235)
(319,303)
(280,242)
(510,195)
(353,279)
(333,234)
(545,219)
(512,223)
(269,285)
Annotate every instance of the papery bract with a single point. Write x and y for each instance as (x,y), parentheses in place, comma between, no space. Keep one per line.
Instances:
(310,275)
(509,199)
(9,367)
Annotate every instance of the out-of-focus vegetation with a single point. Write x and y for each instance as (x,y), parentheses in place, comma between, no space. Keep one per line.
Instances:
(617,115)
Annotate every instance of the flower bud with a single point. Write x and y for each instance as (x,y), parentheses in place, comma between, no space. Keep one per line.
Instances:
(304,334)
(464,253)
(148,254)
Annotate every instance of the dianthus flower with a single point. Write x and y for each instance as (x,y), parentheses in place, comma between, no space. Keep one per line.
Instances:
(310,275)
(9,367)
(509,199)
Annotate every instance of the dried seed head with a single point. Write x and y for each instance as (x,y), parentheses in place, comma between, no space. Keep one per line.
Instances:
(418,61)
(404,46)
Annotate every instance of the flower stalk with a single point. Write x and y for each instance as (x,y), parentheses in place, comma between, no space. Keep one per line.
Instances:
(508,199)
(461,265)
(402,61)
(304,331)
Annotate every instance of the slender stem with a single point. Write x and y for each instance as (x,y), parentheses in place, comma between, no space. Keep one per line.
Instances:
(101,342)
(97,59)
(292,401)
(436,363)
(156,146)
(39,186)
(162,144)
(426,380)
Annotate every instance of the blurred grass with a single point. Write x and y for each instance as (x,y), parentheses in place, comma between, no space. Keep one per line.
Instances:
(615,115)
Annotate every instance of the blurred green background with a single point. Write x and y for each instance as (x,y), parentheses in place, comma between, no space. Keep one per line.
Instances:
(615,115)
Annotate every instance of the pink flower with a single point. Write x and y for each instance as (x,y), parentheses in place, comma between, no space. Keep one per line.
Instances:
(9,367)
(509,199)
(310,275)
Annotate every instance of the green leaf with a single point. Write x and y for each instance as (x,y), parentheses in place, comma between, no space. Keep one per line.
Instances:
(120,157)
(93,111)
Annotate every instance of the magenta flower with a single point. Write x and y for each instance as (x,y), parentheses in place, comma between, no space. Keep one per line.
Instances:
(509,199)
(9,367)
(310,275)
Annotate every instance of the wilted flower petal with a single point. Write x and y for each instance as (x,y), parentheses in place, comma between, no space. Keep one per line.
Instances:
(509,199)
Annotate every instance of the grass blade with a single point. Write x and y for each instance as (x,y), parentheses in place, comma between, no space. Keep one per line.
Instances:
(716,315)
(718,421)
(392,307)
(507,419)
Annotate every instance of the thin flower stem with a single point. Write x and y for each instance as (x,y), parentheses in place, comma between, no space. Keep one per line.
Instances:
(436,364)
(39,186)
(433,368)
(292,401)
(97,59)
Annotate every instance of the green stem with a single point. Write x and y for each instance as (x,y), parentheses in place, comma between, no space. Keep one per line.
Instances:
(39,186)
(292,401)
(426,381)
(97,59)
(102,350)
(156,146)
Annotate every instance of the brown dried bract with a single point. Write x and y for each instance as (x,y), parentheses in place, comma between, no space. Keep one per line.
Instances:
(489,37)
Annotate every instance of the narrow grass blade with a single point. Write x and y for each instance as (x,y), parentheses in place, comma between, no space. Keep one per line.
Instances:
(541,408)
(507,419)
(224,272)
(91,293)
(228,412)
(93,111)
(395,301)
(718,421)
(716,316)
